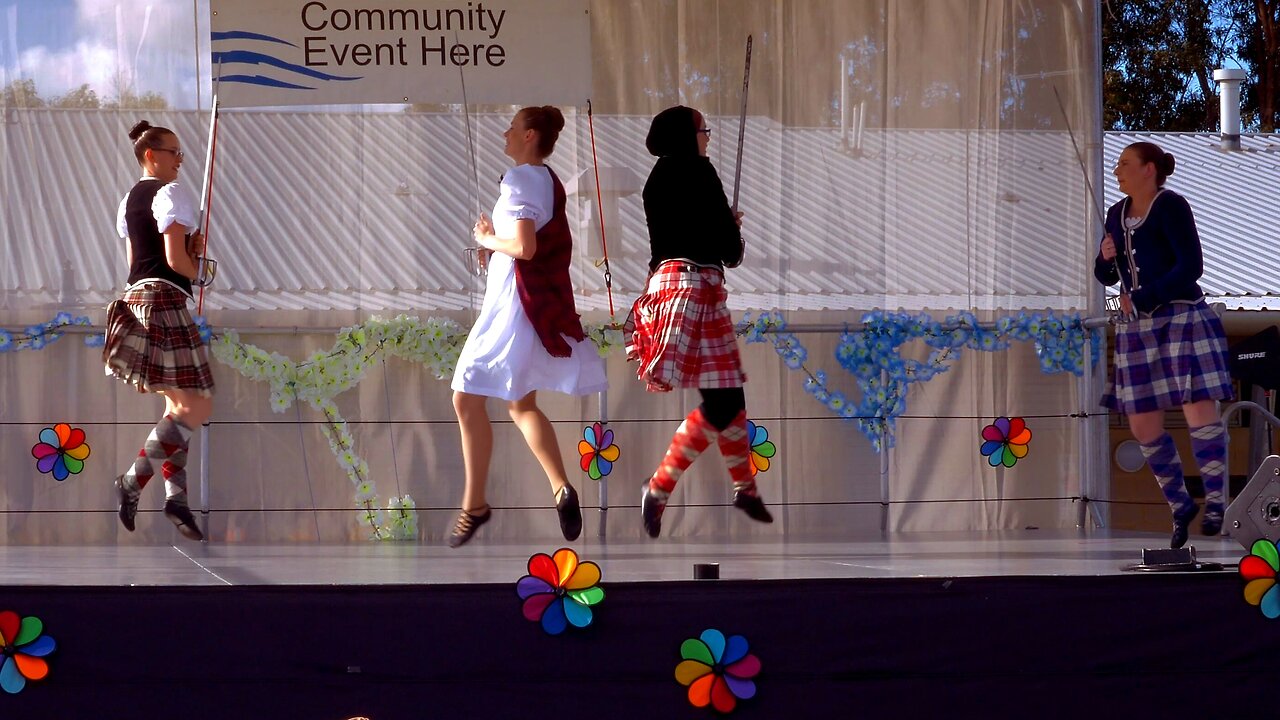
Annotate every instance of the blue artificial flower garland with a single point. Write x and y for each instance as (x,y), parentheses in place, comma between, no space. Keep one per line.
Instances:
(38,337)
(884,377)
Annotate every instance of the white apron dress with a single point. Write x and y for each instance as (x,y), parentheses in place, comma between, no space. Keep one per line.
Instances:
(503,356)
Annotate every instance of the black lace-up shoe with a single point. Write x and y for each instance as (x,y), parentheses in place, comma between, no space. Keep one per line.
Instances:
(180,515)
(651,507)
(1180,523)
(128,507)
(467,525)
(570,512)
(753,506)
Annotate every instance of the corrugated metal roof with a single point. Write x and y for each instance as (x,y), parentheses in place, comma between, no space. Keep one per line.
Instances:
(1236,200)
(369,211)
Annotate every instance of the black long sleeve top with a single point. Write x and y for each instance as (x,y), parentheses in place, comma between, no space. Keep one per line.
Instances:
(688,214)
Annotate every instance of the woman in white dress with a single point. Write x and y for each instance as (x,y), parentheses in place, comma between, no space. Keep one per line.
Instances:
(528,336)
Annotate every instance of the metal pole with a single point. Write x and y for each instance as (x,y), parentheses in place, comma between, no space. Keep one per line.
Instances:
(1087,487)
(884,467)
(844,103)
(1262,414)
(204,480)
(1258,433)
(604,481)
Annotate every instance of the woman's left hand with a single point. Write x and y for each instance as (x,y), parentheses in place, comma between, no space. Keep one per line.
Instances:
(196,244)
(737,216)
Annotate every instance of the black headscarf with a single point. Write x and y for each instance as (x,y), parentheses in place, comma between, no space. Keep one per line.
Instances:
(674,132)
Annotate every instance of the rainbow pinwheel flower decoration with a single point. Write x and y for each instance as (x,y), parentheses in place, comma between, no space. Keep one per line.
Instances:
(761,448)
(1004,441)
(61,451)
(717,671)
(559,591)
(1259,571)
(598,451)
(24,647)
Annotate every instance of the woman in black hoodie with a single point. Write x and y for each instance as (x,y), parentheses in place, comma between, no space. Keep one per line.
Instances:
(680,330)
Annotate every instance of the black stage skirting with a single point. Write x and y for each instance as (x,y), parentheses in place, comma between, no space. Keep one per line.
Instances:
(1131,646)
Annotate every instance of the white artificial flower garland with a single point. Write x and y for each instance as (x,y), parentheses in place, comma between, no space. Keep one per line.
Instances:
(323,376)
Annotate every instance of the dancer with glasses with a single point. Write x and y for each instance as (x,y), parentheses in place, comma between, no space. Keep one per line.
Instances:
(152,343)
(680,330)
(528,336)
(1174,354)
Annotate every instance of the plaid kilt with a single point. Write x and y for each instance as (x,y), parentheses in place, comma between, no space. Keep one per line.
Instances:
(680,330)
(1175,357)
(152,342)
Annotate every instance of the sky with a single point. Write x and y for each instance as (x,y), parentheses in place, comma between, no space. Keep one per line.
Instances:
(149,45)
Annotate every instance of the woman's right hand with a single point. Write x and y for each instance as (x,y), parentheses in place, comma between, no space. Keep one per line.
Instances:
(482,230)
(1108,248)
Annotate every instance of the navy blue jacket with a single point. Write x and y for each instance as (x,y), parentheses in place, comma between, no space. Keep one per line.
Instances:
(1166,254)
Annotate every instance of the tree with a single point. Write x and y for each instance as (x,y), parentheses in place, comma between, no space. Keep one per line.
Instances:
(1255,27)
(82,97)
(1158,58)
(129,100)
(22,94)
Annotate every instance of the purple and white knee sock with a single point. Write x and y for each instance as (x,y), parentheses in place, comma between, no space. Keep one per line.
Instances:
(1210,445)
(1162,456)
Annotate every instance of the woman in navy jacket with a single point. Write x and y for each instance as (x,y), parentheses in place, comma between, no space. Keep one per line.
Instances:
(1173,353)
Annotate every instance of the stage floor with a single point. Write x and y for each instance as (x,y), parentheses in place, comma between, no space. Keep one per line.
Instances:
(951,554)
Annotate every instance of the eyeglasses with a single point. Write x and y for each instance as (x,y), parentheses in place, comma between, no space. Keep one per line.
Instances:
(178,154)
(705,130)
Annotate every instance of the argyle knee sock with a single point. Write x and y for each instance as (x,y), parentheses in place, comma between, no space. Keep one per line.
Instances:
(166,438)
(692,437)
(735,446)
(139,472)
(1210,446)
(1162,456)
(175,437)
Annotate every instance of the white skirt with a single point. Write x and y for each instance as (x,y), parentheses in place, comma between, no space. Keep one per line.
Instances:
(504,357)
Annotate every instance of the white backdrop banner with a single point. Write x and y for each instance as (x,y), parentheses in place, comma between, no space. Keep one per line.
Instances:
(322,52)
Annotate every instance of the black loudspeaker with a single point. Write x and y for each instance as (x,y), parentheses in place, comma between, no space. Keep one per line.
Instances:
(1255,513)
(1256,360)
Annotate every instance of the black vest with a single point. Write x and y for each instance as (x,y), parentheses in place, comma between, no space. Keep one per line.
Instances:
(149,260)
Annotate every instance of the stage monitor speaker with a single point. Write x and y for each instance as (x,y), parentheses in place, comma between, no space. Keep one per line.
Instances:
(1255,513)
(1256,360)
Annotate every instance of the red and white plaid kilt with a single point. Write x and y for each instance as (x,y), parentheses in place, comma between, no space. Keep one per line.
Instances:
(152,342)
(680,330)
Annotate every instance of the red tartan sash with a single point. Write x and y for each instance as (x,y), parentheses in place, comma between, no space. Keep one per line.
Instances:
(543,282)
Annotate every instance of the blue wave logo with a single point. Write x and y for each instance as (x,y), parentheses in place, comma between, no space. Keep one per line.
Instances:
(292,71)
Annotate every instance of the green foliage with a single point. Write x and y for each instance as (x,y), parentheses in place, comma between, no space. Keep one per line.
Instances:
(129,100)
(82,97)
(1158,58)
(21,94)
(24,94)
(1255,30)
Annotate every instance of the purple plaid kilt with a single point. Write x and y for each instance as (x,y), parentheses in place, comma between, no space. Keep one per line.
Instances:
(152,343)
(1177,356)
(681,332)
